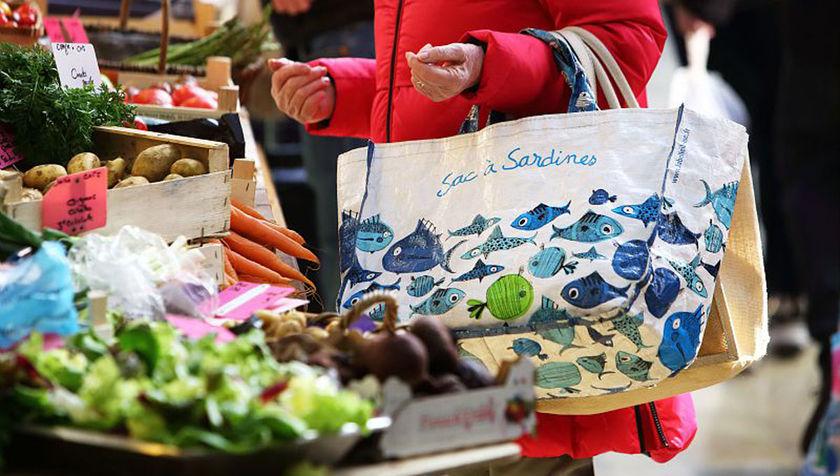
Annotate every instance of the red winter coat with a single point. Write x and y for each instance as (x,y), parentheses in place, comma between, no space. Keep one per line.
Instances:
(375,99)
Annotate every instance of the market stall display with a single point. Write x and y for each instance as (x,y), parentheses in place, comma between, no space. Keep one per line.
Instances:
(20,22)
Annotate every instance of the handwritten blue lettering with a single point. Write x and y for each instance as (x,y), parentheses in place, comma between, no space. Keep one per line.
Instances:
(458,180)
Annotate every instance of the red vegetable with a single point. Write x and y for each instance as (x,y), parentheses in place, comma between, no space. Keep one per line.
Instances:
(139,124)
(152,96)
(6,21)
(188,91)
(25,15)
(202,102)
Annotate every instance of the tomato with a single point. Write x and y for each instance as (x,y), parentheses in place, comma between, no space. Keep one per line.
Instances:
(202,102)
(139,124)
(5,9)
(156,97)
(25,15)
(6,21)
(188,91)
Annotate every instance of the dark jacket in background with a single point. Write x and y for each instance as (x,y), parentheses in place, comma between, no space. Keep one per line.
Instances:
(296,31)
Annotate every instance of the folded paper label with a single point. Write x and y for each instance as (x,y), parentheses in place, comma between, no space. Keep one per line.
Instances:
(242,299)
(77,203)
(8,156)
(76,64)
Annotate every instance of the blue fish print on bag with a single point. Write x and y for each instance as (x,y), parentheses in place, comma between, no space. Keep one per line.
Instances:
(440,302)
(539,216)
(497,242)
(355,275)
(631,259)
(374,286)
(613,390)
(591,291)
(722,200)
(422,285)
(681,339)
(689,274)
(591,228)
(603,339)
(595,364)
(549,261)
(628,326)
(671,230)
(377,314)
(550,313)
(713,237)
(419,251)
(373,235)
(347,239)
(662,292)
(647,212)
(591,254)
(711,269)
(601,196)
(528,348)
(633,366)
(479,271)
(477,227)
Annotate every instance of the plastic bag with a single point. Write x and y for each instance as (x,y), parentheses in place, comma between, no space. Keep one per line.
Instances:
(36,293)
(142,275)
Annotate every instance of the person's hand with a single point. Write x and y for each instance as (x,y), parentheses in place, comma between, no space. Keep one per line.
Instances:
(291,7)
(302,92)
(442,72)
(688,24)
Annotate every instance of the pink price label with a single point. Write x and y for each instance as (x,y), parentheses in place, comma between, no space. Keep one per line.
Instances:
(242,299)
(77,203)
(195,328)
(54,31)
(75,30)
(8,156)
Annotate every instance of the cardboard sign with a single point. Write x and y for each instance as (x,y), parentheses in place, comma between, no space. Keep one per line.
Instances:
(77,65)
(77,203)
(195,328)
(8,156)
(242,299)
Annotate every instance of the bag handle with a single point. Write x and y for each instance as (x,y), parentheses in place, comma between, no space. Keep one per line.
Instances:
(125,9)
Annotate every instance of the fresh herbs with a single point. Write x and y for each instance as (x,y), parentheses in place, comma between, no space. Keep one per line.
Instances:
(51,124)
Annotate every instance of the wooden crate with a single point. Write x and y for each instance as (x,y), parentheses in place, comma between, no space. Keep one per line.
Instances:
(195,207)
(26,36)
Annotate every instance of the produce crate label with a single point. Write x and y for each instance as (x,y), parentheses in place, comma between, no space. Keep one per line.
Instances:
(77,65)
(8,156)
(77,203)
(75,30)
(54,32)
(195,328)
(242,299)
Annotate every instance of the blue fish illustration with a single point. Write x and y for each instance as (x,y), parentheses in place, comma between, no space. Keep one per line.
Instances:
(355,275)
(681,339)
(374,286)
(549,261)
(419,251)
(647,211)
(477,227)
(662,292)
(601,196)
(711,269)
(440,302)
(689,274)
(422,285)
(671,229)
(590,228)
(496,242)
(603,339)
(613,390)
(713,236)
(373,235)
(539,216)
(550,313)
(479,271)
(722,200)
(591,254)
(631,259)
(528,348)
(347,239)
(591,291)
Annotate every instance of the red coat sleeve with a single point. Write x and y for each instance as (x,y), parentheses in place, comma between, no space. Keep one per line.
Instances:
(519,75)
(354,80)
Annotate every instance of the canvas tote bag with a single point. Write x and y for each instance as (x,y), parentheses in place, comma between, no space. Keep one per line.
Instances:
(590,242)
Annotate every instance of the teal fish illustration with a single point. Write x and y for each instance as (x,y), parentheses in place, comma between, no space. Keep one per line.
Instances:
(550,313)
(562,375)
(590,228)
(613,390)
(377,314)
(419,251)
(689,274)
(647,212)
(528,348)
(722,200)
(539,216)
(373,235)
(374,286)
(713,236)
(628,326)
(603,339)
(508,298)
(633,366)
(496,242)
(681,339)
(549,261)
(422,285)
(479,271)
(591,254)
(477,227)
(440,302)
(595,364)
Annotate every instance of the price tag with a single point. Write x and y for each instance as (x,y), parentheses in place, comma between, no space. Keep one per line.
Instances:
(54,31)
(75,30)
(77,65)
(196,328)
(242,299)
(8,156)
(77,203)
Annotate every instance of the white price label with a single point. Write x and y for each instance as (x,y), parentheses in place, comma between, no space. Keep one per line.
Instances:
(77,65)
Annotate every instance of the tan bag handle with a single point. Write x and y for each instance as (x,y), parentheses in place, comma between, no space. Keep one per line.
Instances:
(125,8)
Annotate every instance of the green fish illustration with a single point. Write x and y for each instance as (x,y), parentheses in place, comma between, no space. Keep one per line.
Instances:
(562,375)
(633,366)
(562,334)
(508,298)
(595,364)
(628,326)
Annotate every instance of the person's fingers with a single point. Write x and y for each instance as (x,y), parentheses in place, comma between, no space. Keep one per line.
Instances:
(302,93)
(433,74)
(285,82)
(277,63)
(439,54)
(293,70)
(316,107)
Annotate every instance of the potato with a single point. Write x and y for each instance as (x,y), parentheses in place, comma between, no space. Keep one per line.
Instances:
(40,176)
(188,168)
(82,162)
(132,181)
(172,177)
(154,163)
(116,170)
(30,195)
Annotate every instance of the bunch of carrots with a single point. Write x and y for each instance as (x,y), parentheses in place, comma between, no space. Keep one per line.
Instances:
(249,249)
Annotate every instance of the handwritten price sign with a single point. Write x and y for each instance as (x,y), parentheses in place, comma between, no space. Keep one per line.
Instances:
(77,203)
(8,156)
(77,65)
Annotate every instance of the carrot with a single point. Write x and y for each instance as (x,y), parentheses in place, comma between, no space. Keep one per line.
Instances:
(255,214)
(258,231)
(288,232)
(262,256)
(229,270)
(258,280)
(247,267)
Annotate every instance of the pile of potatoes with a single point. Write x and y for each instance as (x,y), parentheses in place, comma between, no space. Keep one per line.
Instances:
(158,163)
